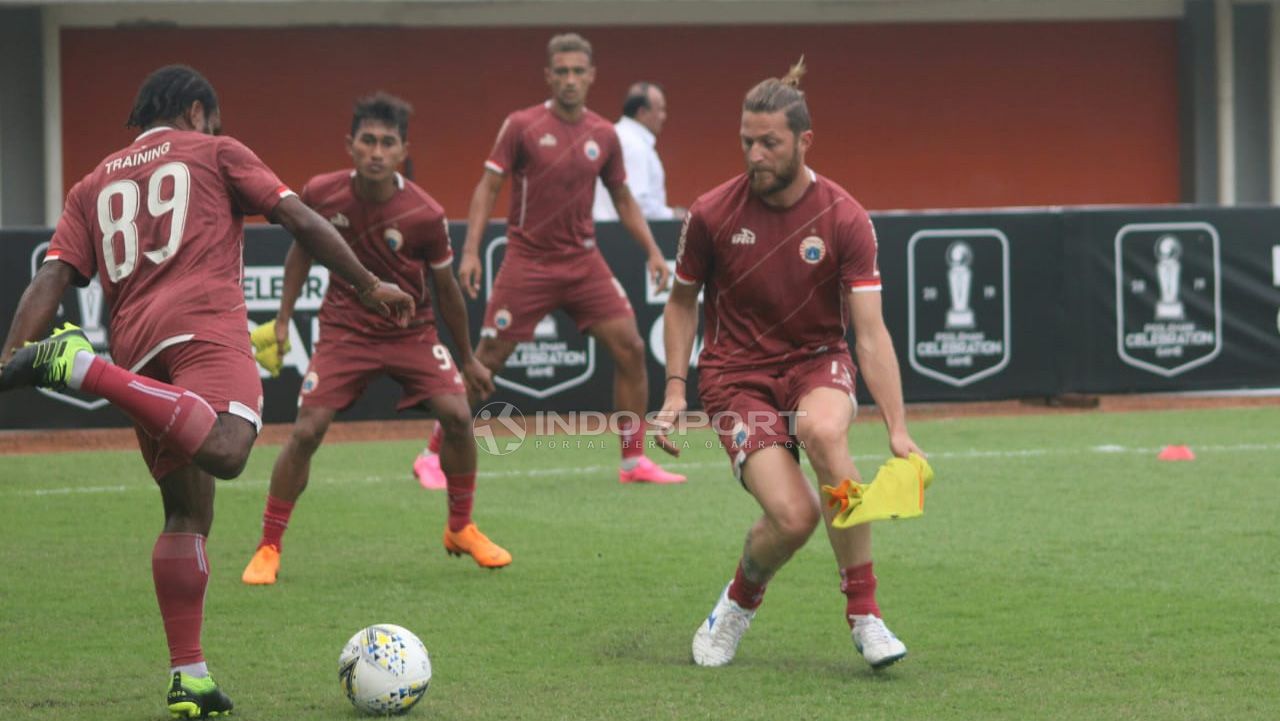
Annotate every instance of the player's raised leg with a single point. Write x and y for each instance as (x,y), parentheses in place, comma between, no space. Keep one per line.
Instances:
(289,479)
(458,461)
(180,570)
(621,338)
(173,415)
(822,426)
(790,508)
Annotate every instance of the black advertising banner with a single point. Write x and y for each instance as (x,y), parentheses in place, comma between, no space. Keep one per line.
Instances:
(21,253)
(559,369)
(967,301)
(981,305)
(1173,299)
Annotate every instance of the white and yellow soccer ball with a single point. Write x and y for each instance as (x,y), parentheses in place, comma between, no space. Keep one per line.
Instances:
(384,670)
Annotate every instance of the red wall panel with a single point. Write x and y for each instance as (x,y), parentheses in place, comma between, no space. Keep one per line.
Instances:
(906,116)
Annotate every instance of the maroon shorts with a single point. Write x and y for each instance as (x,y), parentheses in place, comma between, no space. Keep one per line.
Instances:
(525,292)
(344,363)
(754,408)
(227,378)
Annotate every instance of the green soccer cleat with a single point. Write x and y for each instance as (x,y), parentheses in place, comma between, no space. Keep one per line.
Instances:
(47,363)
(191,697)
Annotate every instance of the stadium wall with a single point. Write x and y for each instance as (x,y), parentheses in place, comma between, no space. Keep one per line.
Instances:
(981,305)
(907,115)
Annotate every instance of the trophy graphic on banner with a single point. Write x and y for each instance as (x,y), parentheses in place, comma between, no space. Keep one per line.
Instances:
(90,298)
(1168,271)
(960,281)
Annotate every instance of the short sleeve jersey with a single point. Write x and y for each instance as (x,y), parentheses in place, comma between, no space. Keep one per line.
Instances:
(553,166)
(161,222)
(397,240)
(775,279)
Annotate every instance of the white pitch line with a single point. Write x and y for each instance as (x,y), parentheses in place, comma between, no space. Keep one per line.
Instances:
(973,453)
(76,489)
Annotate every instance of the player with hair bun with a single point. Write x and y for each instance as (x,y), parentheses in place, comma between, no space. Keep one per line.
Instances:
(786,258)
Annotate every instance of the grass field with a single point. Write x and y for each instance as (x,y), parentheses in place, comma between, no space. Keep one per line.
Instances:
(1061,572)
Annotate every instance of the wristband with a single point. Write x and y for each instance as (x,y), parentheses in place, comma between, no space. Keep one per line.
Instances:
(678,378)
(364,292)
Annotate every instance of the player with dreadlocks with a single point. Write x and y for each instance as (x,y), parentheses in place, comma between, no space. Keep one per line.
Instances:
(160,222)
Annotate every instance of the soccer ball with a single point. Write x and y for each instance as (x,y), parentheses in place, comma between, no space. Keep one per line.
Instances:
(384,670)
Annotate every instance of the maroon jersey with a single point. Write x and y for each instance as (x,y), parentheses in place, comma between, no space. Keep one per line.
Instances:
(553,166)
(396,239)
(161,222)
(775,278)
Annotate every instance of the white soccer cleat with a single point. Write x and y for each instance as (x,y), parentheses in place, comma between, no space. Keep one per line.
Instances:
(717,638)
(876,642)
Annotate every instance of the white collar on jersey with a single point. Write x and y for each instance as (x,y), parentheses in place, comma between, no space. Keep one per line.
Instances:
(156,129)
(547,104)
(399,179)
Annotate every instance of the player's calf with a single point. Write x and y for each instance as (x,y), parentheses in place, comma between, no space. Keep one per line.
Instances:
(793,524)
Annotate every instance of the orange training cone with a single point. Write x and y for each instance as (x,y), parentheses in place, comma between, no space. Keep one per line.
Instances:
(1176,453)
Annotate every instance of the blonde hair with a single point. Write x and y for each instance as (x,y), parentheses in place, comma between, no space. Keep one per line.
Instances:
(568,43)
(782,95)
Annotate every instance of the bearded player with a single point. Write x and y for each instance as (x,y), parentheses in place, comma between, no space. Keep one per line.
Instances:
(786,258)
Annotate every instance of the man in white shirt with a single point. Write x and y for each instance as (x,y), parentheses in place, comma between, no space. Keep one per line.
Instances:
(643,113)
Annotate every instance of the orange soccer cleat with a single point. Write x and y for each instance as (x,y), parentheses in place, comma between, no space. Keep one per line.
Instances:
(263,567)
(472,542)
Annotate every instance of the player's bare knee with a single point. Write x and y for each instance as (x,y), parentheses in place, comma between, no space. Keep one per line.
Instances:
(456,424)
(226,451)
(307,437)
(823,437)
(796,523)
(223,457)
(226,464)
(630,352)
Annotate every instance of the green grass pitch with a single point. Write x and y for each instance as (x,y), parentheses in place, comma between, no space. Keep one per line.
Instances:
(1060,572)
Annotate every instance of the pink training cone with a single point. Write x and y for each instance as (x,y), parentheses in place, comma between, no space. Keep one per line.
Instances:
(1176,453)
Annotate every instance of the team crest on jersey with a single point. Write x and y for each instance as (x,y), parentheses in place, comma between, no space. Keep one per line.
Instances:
(813,250)
(547,141)
(309,382)
(340,221)
(502,319)
(592,149)
(394,238)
